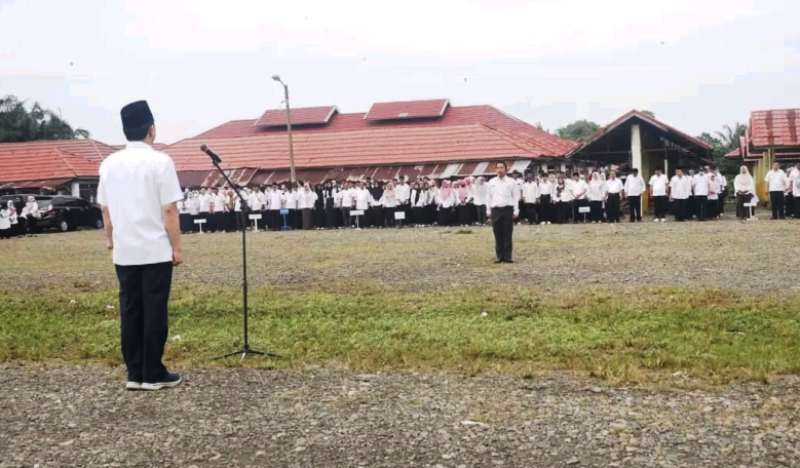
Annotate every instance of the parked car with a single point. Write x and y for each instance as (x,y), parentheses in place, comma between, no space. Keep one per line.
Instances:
(61,212)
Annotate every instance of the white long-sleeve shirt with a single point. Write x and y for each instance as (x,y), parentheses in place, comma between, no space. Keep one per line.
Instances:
(275,197)
(634,185)
(596,192)
(205,203)
(423,198)
(480,194)
(777,180)
(530,192)
(347,198)
(389,199)
(447,201)
(546,188)
(502,193)
(306,199)
(403,192)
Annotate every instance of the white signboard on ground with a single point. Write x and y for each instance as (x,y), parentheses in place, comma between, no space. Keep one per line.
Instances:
(357,213)
(399,215)
(584,209)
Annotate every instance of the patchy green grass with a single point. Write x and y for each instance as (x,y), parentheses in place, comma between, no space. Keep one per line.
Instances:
(645,334)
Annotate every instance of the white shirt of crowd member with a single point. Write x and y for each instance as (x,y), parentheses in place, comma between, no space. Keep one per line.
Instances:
(530,192)
(362,197)
(680,187)
(634,185)
(403,191)
(743,183)
(658,184)
(776,179)
(307,198)
(504,192)
(614,184)
(700,184)
(480,192)
(446,197)
(546,187)
(580,188)
(794,180)
(714,188)
(31,209)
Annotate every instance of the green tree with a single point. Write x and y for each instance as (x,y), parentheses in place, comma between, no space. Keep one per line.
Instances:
(650,113)
(17,124)
(724,142)
(578,131)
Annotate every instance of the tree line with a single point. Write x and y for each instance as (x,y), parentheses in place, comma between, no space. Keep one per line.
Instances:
(20,122)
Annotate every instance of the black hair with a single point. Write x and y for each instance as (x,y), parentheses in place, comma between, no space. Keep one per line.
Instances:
(137,134)
(575,174)
(501,162)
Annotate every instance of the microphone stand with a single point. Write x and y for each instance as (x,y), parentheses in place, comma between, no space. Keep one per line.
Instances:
(245,212)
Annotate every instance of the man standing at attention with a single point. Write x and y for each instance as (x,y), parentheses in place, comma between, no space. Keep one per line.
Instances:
(658,190)
(634,187)
(503,210)
(777,181)
(680,187)
(144,234)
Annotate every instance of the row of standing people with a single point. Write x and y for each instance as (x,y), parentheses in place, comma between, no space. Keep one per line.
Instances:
(14,223)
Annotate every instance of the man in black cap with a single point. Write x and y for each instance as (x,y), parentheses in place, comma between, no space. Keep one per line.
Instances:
(144,234)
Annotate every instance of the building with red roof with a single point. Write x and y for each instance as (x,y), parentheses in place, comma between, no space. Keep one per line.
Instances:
(771,137)
(65,166)
(415,138)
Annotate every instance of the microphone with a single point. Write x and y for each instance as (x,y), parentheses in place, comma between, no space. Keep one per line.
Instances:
(211,154)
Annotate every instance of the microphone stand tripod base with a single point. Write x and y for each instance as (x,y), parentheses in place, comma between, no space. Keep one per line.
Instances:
(244,352)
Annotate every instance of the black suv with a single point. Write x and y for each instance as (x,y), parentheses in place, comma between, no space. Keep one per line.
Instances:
(60,212)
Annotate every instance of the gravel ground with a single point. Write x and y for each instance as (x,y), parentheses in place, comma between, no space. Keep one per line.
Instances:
(750,257)
(81,417)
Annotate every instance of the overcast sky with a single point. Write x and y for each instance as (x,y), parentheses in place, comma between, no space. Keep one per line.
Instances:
(696,64)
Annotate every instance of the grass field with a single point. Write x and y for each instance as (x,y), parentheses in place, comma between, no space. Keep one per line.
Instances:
(629,303)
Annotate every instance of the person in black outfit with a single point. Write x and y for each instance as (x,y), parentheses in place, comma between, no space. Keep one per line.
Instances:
(319,207)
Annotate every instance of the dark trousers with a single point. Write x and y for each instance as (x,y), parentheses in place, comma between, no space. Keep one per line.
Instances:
(445,216)
(612,208)
(544,208)
(635,205)
(185,220)
(308,219)
(143,296)
(680,206)
(530,212)
(660,204)
(597,211)
(576,210)
(564,209)
(503,226)
(219,221)
(241,223)
(776,201)
(712,208)
(700,206)
(742,211)
(209,225)
(416,216)
(796,208)
(481,214)
(722,197)
(789,204)
(346,220)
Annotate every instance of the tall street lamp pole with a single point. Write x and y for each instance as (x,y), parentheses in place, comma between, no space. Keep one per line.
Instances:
(288,127)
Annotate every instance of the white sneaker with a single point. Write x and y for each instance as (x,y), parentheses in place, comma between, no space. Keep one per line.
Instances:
(549,223)
(656,220)
(543,223)
(133,386)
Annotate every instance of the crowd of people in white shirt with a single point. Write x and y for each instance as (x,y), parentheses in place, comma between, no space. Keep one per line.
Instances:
(544,199)
(14,223)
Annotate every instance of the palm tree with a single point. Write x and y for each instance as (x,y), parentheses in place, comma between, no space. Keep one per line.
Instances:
(730,136)
(81,133)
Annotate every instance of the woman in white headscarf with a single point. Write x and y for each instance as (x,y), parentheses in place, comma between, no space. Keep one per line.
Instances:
(714,189)
(13,218)
(597,194)
(31,214)
(745,188)
(389,203)
(446,199)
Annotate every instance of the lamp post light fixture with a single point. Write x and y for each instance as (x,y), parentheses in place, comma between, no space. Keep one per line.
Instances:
(288,127)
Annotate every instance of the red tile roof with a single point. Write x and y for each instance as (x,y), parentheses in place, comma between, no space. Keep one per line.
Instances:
(407,110)
(43,160)
(300,116)
(90,149)
(737,153)
(453,116)
(774,128)
(389,145)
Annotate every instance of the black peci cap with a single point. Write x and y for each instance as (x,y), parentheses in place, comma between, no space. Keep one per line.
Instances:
(136,119)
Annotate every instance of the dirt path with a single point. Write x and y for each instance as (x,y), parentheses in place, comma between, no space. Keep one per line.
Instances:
(77,416)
